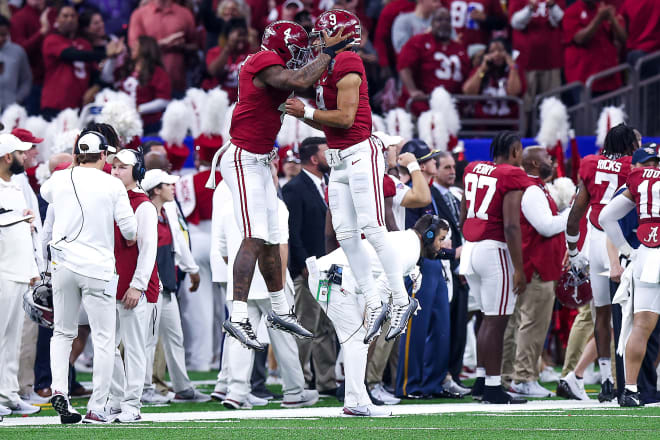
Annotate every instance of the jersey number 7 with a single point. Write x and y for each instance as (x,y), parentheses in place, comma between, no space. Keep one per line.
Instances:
(473,183)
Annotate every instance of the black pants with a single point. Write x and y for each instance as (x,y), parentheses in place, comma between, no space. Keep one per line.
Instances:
(458,311)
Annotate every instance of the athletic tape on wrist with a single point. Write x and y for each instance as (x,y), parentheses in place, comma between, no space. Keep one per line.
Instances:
(413,166)
(309,112)
(572,238)
(573,252)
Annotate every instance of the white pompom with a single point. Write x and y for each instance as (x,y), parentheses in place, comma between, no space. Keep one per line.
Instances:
(432,130)
(442,102)
(64,142)
(378,123)
(42,173)
(554,123)
(14,116)
(217,105)
(38,126)
(123,118)
(609,117)
(399,122)
(196,99)
(565,189)
(176,121)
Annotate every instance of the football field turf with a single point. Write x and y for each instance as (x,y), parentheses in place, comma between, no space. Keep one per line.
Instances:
(413,419)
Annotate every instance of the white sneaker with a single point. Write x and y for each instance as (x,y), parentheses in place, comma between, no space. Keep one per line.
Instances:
(152,396)
(256,401)
(451,386)
(273,380)
(529,389)
(190,395)
(232,404)
(219,395)
(576,386)
(33,398)
(111,413)
(4,411)
(22,408)
(367,411)
(380,393)
(127,417)
(306,398)
(549,375)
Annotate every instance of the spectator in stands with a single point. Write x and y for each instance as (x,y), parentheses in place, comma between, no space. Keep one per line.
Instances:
(222,63)
(383,35)
(29,26)
(642,19)
(173,26)
(431,60)
(304,19)
(116,14)
(145,79)
(15,73)
(498,75)
(412,23)
(537,36)
(69,62)
(92,28)
(591,29)
(475,20)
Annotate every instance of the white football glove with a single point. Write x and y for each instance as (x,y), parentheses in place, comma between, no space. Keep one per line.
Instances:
(578,261)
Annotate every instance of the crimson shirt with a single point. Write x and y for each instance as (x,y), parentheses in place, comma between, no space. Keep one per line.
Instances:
(65,82)
(539,43)
(644,185)
(383,34)
(433,64)
(468,30)
(493,85)
(642,18)
(326,99)
(229,79)
(582,61)
(486,184)
(26,31)
(256,119)
(602,177)
(157,87)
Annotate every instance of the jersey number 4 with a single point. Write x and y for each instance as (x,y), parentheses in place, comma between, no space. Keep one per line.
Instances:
(473,183)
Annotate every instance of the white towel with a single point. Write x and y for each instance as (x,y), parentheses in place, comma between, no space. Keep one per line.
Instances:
(623,297)
(465,267)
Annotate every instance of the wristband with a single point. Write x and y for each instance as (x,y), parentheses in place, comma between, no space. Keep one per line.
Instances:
(413,166)
(573,252)
(572,238)
(309,112)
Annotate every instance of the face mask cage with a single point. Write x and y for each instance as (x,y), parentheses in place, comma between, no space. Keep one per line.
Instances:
(299,56)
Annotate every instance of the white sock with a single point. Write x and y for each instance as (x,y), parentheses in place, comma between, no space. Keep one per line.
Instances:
(278,302)
(358,259)
(239,311)
(493,381)
(631,388)
(389,259)
(605,365)
(481,372)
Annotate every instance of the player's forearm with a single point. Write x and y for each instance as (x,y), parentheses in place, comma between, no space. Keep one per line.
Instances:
(513,84)
(305,78)
(335,118)
(513,237)
(407,80)
(217,66)
(420,193)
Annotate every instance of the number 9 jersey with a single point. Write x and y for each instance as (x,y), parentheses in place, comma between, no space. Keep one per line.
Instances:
(602,177)
(486,184)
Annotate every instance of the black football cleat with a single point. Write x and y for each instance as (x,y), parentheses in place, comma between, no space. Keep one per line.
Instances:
(373,321)
(68,415)
(243,332)
(497,395)
(630,399)
(563,390)
(478,388)
(400,316)
(288,323)
(607,393)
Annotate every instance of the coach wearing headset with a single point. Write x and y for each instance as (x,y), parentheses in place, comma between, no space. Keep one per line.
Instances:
(86,203)
(138,284)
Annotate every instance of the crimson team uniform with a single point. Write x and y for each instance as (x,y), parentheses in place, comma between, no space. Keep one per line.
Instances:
(158,87)
(245,164)
(433,64)
(599,54)
(469,31)
(487,263)
(642,18)
(539,43)
(229,79)
(495,85)
(65,82)
(601,177)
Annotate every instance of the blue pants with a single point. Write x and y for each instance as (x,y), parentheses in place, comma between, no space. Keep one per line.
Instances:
(424,348)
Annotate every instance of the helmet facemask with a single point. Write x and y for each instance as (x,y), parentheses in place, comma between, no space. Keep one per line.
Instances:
(299,56)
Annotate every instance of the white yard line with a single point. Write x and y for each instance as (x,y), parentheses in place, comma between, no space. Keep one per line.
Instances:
(317,412)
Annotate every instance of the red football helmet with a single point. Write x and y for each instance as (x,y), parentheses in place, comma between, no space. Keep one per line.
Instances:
(574,288)
(330,21)
(289,40)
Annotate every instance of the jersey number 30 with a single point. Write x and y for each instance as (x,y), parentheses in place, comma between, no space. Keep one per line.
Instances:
(474,182)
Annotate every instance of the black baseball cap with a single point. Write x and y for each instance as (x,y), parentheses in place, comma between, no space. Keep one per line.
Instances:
(420,150)
(647,151)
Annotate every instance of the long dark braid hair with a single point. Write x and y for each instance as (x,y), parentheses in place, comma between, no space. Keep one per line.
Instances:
(620,141)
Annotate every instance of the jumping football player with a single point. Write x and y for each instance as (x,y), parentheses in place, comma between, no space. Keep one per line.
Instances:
(265,80)
(492,254)
(601,175)
(355,189)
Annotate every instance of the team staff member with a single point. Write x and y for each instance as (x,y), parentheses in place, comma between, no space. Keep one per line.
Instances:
(18,270)
(138,284)
(86,202)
